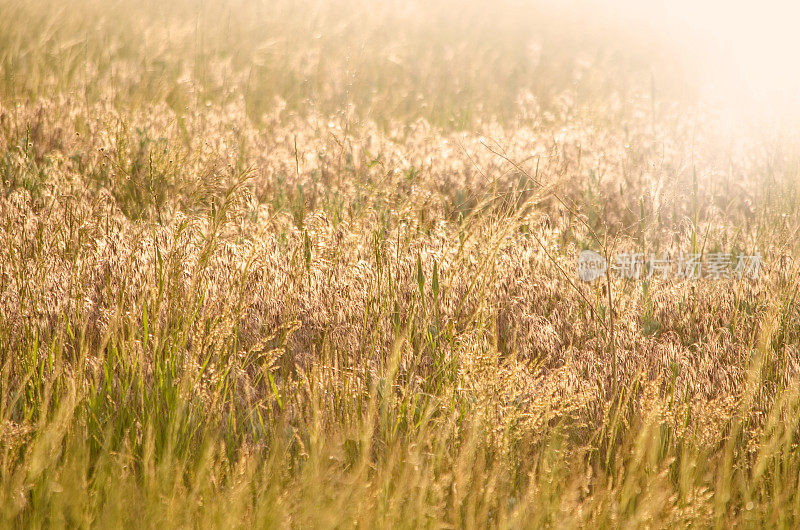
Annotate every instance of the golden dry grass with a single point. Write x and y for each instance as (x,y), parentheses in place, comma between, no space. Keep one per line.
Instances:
(276,265)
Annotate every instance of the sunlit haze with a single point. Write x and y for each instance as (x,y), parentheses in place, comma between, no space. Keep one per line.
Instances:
(747,51)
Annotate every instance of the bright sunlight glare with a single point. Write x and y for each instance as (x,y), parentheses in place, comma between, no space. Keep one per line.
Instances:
(748,51)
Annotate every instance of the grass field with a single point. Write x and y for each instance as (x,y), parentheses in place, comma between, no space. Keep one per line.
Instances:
(313,264)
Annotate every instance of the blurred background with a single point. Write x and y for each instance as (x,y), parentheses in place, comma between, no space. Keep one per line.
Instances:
(452,63)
